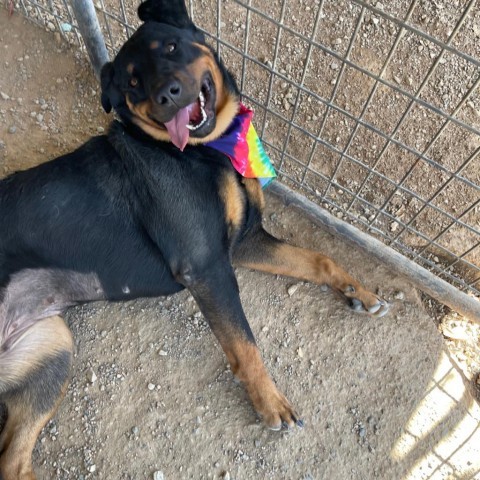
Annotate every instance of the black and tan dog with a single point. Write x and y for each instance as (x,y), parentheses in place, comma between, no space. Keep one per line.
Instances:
(146,210)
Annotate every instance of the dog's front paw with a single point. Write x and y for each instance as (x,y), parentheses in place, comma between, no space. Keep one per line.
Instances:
(275,410)
(361,300)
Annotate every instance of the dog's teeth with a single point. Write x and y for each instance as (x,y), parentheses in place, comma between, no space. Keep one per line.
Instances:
(204,119)
(202,99)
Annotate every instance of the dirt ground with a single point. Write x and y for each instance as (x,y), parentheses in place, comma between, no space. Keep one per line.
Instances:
(151,395)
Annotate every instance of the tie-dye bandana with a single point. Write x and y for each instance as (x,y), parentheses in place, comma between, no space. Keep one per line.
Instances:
(241,144)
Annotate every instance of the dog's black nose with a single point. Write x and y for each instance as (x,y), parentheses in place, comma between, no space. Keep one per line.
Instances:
(168,93)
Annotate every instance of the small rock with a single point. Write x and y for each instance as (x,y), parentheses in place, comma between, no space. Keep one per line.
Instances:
(455,331)
(399,296)
(226,476)
(4,96)
(300,352)
(100,129)
(66,27)
(12,129)
(92,468)
(292,289)
(91,376)
(158,475)
(51,26)
(151,386)
(394,227)
(135,430)
(162,353)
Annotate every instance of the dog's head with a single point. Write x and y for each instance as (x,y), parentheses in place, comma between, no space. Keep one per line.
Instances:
(167,81)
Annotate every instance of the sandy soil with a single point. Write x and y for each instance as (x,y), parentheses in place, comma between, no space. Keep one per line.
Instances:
(151,393)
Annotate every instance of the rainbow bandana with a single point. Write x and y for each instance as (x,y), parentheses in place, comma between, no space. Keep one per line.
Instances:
(241,144)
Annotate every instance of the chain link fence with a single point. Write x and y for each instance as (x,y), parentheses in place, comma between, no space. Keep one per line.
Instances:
(370,110)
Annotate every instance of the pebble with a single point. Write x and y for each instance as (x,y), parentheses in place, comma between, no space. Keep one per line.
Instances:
(292,289)
(4,96)
(12,129)
(100,129)
(66,27)
(91,376)
(162,353)
(455,331)
(151,386)
(399,296)
(158,475)
(135,430)
(92,468)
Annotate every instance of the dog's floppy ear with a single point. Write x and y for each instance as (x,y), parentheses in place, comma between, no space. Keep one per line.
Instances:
(172,12)
(106,80)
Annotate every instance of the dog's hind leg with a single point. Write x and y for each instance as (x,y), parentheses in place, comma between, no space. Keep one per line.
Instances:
(33,378)
(261,251)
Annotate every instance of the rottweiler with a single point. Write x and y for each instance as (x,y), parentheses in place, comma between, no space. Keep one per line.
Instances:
(144,211)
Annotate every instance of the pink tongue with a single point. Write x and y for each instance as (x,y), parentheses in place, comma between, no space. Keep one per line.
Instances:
(177,128)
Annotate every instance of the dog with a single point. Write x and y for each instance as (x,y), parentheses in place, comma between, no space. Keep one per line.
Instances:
(146,210)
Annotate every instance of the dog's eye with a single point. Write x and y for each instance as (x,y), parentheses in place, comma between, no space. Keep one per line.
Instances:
(133,82)
(171,47)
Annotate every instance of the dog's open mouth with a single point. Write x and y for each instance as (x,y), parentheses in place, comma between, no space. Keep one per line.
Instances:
(190,119)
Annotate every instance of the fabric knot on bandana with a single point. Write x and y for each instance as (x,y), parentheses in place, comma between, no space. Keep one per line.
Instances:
(241,144)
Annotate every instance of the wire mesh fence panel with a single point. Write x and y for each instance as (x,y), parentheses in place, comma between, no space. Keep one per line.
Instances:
(369,109)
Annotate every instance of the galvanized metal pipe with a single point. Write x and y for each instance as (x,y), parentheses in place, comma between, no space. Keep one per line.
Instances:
(92,35)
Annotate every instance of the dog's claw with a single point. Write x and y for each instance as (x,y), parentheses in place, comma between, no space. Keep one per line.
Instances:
(275,428)
(375,308)
(382,310)
(378,309)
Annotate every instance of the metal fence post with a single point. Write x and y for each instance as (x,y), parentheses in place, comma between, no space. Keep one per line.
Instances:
(92,36)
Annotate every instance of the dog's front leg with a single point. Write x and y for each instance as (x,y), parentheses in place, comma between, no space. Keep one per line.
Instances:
(216,291)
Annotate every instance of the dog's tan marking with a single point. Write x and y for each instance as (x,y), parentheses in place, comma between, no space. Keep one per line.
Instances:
(279,258)
(130,68)
(254,192)
(207,63)
(36,347)
(247,365)
(154,45)
(224,118)
(43,339)
(233,201)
